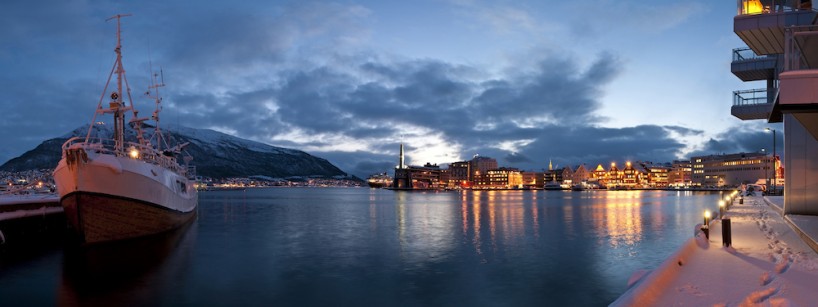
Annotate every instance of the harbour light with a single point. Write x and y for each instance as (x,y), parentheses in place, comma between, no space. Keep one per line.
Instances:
(134,153)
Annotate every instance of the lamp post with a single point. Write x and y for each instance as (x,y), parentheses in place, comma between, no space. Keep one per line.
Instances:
(766,168)
(774,158)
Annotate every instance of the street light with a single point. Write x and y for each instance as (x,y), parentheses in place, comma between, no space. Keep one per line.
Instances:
(766,168)
(774,158)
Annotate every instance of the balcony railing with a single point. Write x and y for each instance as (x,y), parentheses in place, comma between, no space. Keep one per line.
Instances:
(746,54)
(800,50)
(750,97)
(755,7)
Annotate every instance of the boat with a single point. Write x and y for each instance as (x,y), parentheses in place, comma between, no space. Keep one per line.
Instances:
(380,180)
(553,185)
(116,186)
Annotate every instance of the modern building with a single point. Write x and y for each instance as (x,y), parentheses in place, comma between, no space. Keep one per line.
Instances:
(680,173)
(782,51)
(655,175)
(730,169)
(501,178)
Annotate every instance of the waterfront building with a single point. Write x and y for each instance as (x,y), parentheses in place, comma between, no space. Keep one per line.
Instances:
(630,176)
(533,180)
(553,175)
(501,178)
(567,175)
(600,175)
(614,176)
(779,36)
(459,174)
(730,169)
(418,177)
(658,175)
(680,173)
(581,174)
(480,165)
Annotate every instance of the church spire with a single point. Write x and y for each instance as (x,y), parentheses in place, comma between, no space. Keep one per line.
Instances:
(400,165)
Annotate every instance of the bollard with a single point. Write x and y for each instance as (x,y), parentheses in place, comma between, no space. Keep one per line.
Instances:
(706,225)
(726,240)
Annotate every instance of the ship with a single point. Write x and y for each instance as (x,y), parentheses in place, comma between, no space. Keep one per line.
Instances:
(116,187)
(380,180)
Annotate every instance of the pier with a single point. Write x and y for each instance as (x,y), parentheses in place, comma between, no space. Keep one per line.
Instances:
(29,215)
(772,260)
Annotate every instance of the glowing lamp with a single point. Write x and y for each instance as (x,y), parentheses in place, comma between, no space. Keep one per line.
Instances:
(752,7)
(706,219)
(722,205)
(134,153)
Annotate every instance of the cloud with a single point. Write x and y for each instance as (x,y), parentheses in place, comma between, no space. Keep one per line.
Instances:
(742,138)
(301,75)
(631,16)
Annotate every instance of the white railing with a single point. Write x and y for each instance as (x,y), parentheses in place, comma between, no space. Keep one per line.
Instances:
(144,153)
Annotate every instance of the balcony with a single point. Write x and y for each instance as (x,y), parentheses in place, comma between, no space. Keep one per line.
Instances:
(761,23)
(748,66)
(799,81)
(751,104)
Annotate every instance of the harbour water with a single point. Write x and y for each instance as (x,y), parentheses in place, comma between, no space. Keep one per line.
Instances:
(357,246)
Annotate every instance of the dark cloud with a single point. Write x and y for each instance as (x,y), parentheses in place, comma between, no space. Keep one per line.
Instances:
(743,138)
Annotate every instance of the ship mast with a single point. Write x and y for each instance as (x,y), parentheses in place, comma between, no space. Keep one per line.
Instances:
(116,105)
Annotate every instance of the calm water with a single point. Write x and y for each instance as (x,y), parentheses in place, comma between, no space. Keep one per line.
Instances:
(338,246)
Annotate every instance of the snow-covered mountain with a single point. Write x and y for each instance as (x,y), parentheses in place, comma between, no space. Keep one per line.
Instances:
(215,154)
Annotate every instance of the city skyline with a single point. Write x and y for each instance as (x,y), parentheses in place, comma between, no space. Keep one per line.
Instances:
(347,81)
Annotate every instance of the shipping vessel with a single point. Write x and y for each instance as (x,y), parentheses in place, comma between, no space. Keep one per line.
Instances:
(117,186)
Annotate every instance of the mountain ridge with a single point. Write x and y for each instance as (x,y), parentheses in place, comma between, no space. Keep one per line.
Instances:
(215,154)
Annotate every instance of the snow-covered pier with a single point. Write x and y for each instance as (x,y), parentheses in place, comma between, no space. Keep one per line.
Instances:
(27,214)
(771,262)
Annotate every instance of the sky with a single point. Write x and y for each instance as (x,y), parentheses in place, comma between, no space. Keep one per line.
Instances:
(524,82)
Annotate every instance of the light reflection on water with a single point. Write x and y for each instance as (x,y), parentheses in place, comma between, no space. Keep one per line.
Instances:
(378,247)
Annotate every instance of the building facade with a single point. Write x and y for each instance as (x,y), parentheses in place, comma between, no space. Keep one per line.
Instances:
(680,173)
(780,52)
(730,169)
(501,178)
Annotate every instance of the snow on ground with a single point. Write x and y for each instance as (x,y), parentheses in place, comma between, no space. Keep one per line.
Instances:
(767,265)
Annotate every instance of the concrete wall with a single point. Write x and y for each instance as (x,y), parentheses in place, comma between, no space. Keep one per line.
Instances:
(800,169)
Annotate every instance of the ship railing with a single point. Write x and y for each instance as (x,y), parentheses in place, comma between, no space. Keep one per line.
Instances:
(756,7)
(750,97)
(142,152)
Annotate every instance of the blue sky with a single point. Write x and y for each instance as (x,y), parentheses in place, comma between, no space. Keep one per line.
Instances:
(521,81)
